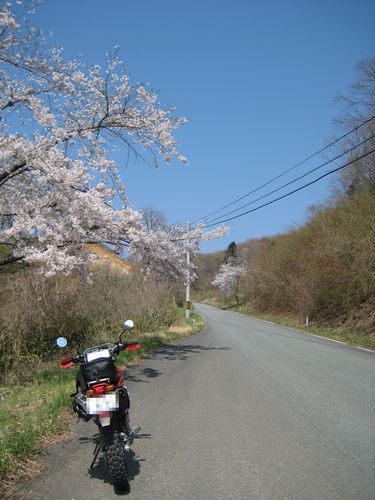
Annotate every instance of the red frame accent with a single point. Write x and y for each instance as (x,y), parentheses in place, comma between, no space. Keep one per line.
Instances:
(120,380)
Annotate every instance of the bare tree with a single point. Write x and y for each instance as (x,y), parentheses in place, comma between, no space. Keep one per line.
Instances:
(358,105)
(153,219)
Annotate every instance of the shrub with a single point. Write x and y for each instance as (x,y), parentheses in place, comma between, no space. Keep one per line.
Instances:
(35,310)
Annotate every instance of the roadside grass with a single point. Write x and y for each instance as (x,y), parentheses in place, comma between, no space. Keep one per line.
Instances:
(30,414)
(35,413)
(352,337)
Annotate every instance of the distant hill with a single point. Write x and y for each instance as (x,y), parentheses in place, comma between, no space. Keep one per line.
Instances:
(107,256)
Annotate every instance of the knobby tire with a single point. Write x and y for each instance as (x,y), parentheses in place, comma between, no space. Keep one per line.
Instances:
(115,458)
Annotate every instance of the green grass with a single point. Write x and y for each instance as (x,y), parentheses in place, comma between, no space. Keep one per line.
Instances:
(32,413)
(351,337)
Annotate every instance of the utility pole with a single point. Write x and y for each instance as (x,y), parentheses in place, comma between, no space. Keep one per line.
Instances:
(187,300)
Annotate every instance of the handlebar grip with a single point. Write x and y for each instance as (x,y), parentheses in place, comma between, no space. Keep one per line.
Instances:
(66,362)
(133,346)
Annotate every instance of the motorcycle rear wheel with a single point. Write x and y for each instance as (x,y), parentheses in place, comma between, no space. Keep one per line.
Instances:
(115,457)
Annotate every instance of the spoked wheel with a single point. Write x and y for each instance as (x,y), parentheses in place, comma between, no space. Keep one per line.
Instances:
(115,457)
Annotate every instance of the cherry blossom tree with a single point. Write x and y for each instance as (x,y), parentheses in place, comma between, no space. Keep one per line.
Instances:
(228,277)
(165,249)
(59,124)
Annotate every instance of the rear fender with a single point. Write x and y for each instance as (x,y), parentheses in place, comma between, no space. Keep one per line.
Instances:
(104,419)
(124,399)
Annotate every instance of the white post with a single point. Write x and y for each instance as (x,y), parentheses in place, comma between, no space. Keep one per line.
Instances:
(187,301)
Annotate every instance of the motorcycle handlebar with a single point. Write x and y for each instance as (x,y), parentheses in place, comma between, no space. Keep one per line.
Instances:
(130,346)
(68,362)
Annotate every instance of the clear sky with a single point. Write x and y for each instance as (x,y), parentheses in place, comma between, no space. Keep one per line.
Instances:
(256,80)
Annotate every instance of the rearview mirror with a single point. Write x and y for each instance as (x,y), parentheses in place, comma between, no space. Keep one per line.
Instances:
(61,342)
(128,325)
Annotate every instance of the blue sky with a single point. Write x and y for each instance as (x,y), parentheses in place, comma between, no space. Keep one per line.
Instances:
(256,80)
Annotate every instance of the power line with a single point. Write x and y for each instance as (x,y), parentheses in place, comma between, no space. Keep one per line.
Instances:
(293,180)
(287,171)
(292,192)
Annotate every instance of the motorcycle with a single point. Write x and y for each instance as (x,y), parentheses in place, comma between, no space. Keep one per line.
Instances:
(102,396)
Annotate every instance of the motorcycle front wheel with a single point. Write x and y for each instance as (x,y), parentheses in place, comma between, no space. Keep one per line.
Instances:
(115,458)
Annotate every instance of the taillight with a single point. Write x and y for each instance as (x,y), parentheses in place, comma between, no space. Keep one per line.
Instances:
(100,389)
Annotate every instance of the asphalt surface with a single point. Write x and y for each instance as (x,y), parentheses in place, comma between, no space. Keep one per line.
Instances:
(244,410)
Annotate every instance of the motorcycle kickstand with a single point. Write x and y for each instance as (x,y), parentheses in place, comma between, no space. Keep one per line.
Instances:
(96,453)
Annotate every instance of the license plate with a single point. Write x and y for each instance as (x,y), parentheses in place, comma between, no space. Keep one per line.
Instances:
(107,402)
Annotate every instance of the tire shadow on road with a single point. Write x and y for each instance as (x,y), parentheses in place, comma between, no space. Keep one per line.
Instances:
(100,471)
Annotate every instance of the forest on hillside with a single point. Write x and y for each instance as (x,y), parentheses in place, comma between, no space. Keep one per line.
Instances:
(324,269)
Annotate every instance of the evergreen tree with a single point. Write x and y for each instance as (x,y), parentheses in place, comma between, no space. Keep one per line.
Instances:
(231,253)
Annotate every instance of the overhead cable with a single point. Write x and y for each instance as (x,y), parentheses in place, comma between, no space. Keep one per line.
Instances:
(293,180)
(287,171)
(292,192)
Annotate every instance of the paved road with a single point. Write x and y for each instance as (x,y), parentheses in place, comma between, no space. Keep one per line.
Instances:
(245,410)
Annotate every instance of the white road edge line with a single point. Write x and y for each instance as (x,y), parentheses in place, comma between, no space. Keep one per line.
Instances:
(333,340)
(308,333)
(364,349)
(324,338)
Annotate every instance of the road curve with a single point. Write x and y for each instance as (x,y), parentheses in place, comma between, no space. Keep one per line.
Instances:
(244,410)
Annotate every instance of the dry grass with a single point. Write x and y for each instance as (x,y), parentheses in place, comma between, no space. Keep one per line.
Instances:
(26,470)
